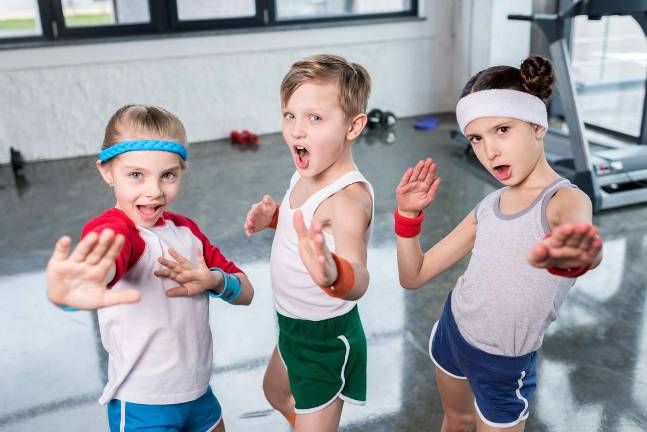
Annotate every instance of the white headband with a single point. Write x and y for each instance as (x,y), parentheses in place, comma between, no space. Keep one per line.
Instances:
(501,103)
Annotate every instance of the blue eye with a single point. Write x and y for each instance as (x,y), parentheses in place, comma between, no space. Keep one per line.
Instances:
(135,175)
(288,116)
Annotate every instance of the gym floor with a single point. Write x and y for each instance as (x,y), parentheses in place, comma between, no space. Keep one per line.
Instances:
(592,368)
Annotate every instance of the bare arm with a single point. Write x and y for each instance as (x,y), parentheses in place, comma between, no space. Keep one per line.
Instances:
(416,269)
(246,291)
(415,192)
(351,218)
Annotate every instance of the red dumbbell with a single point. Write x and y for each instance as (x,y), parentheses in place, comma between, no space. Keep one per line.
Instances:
(244,138)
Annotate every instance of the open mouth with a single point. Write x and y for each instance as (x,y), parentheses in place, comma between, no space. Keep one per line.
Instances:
(301,157)
(149,211)
(502,172)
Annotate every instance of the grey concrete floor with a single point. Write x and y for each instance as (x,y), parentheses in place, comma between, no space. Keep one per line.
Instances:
(592,369)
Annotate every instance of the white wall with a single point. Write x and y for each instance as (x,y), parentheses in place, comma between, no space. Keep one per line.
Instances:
(485,37)
(56,100)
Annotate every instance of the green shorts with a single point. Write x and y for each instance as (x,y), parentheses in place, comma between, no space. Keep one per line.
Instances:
(325,359)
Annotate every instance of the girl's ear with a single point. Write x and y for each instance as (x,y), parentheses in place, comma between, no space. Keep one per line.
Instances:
(356,127)
(540,132)
(105,172)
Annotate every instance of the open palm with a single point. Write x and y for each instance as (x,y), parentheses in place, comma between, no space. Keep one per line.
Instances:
(315,255)
(569,246)
(79,280)
(260,215)
(192,279)
(417,188)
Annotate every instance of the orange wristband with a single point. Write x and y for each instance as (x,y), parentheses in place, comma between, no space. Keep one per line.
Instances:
(345,279)
(275,219)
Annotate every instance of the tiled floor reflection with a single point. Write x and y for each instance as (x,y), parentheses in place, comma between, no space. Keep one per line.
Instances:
(592,371)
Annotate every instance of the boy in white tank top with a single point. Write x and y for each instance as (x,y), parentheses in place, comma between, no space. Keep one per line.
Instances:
(318,260)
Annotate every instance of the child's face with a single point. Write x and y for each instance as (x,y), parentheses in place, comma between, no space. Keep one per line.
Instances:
(315,128)
(145,183)
(508,148)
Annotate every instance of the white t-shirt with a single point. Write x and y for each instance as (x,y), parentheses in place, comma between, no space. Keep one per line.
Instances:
(159,349)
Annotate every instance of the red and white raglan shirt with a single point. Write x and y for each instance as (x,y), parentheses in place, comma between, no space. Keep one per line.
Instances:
(160,349)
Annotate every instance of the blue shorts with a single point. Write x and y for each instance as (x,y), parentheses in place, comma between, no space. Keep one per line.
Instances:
(200,415)
(503,386)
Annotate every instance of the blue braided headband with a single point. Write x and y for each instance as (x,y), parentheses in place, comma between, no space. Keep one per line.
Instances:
(126,146)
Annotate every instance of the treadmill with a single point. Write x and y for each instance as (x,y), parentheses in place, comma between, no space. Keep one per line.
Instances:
(612,174)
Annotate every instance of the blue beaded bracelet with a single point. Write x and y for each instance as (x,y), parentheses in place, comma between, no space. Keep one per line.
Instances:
(232,286)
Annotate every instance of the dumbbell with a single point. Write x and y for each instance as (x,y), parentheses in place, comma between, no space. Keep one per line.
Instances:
(244,137)
(379,118)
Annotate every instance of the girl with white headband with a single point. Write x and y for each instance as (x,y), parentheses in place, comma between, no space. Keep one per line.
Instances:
(528,241)
(156,270)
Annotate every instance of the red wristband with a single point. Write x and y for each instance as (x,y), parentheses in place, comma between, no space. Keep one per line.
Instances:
(275,219)
(345,279)
(408,227)
(571,272)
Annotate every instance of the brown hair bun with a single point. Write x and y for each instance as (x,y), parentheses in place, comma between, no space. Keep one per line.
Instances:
(538,77)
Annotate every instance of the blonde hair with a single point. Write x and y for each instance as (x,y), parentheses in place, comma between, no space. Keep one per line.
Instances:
(352,79)
(145,120)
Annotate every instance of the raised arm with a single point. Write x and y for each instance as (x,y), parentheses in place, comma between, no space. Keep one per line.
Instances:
(415,192)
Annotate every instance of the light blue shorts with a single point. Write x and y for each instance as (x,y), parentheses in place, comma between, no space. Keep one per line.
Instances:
(200,415)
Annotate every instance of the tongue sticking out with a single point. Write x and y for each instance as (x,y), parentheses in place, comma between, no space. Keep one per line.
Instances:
(301,158)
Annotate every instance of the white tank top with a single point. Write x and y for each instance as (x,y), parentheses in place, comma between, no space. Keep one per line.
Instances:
(295,294)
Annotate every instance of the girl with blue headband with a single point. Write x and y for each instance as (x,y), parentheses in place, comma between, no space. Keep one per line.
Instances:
(528,241)
(156,270)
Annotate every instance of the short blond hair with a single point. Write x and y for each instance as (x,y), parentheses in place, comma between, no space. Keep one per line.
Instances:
(144,119)
(353,80)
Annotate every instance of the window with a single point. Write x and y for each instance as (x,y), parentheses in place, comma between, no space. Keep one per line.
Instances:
(85,13)
(214,9)
(77,19)
(19,18)
(291,9)
(609,68)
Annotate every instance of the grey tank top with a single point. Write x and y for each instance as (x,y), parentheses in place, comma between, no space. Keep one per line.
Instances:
(502,304)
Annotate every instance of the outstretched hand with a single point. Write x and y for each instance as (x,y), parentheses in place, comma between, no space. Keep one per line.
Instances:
(192,279)
(313,250)
(79,280)
(569,246)
(417,188)
(260,215)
